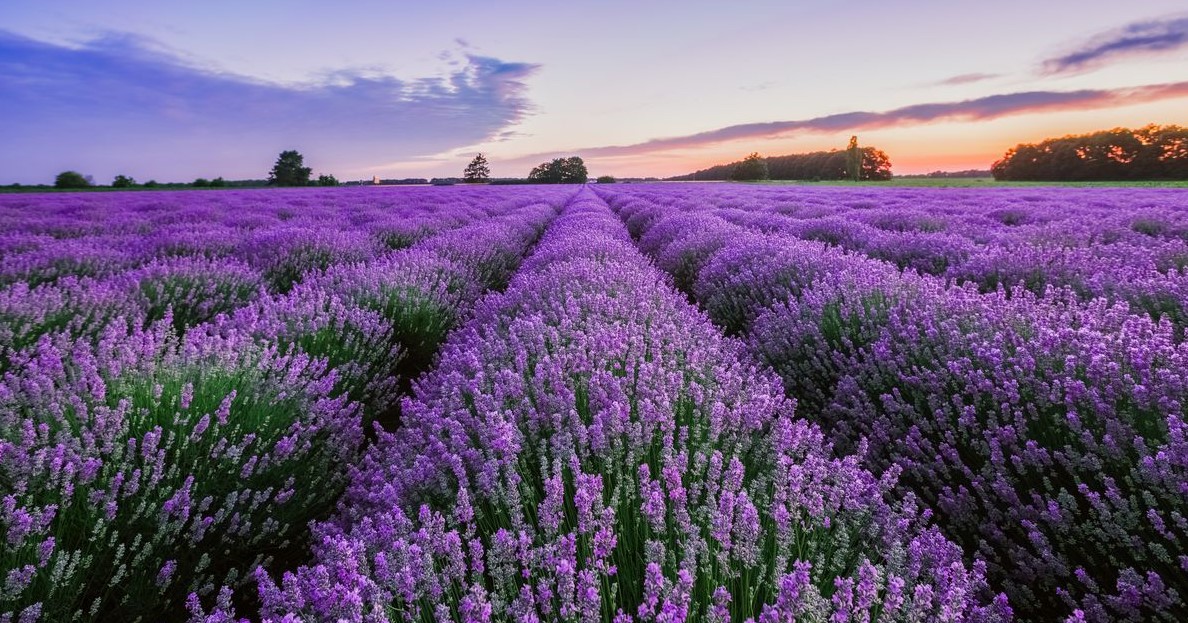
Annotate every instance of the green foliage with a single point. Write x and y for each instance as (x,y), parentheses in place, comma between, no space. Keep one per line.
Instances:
(218,182)
(123,181)
(289,170)
(477,170)
(605,179)
(752,168)
(853,160)
(814,166)
(201,182)
(209,429)
(151,184)
(327,180)
(560,171)
(1149,153)
(71,179)
(193,297)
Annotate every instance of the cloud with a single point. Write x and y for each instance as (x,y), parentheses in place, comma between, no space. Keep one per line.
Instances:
(122,105)
(980,109)
(1157,36)
(965,79)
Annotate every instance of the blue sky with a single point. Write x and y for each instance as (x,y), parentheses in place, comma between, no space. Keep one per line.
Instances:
(169,91)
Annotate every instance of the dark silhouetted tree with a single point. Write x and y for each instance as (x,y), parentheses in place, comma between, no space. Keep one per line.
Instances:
(201,182)
(752,168)
(605,179)
(876,165)
(289,170)
(1149,153)
(817,165)
(71,179)
(123,181)
(477,170)
(327,180)
(560,171)
(218,182)
(854,160)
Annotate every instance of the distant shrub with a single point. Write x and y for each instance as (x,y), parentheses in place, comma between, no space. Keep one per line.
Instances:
(71,179)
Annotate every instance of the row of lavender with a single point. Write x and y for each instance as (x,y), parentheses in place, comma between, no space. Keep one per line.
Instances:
(72,263)
(1046,432)
(149,466)
(591,448)
(1126,245)
(281,234)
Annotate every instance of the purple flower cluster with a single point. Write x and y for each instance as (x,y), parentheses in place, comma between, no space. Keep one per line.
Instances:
(141,469)
(591,448)
(1046,430)
(170,427)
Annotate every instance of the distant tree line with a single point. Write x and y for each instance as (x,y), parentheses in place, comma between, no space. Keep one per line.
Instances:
(949,175)
(289,170)
(751,169)
(571,170)
(819,165)
(560,171)
(1152,152)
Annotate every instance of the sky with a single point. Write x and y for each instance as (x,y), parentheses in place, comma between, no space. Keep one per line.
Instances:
(174,91)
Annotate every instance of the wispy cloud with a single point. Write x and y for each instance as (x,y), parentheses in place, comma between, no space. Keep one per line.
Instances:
(980,109)
(966,79)
(1156,36)
(122,100)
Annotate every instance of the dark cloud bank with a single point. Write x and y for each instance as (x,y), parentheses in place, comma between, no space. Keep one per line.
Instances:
(116,100)
(979,109)
(1158,36)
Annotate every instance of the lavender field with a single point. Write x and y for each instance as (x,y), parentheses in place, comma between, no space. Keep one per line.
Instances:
(605,403)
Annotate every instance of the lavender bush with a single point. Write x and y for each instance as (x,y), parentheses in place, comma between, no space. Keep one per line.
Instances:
(191,290)
(79,308)
(141,470)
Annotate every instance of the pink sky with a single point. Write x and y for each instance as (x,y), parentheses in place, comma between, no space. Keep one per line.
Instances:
(170,92)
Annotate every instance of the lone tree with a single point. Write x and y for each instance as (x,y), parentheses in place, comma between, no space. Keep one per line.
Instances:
(477,170)
(560,171)
(123,181)
(326,179)
(752,168)
(853,160)
(71,179)
(289,170)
